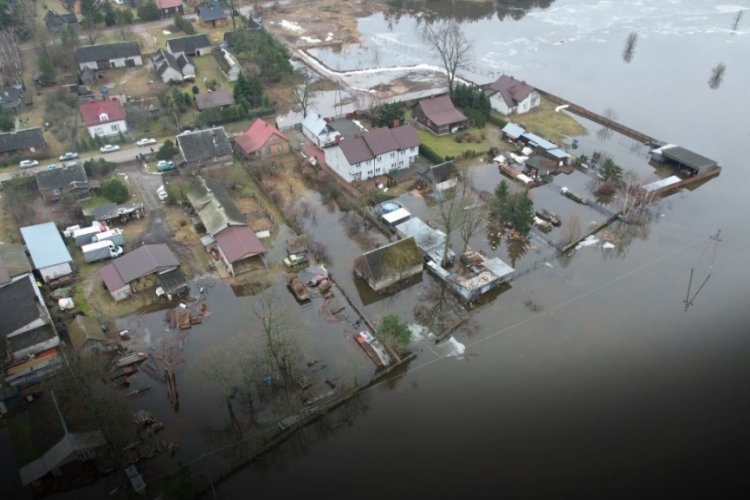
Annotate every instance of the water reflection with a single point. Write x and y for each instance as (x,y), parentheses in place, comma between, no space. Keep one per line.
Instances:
(464,10)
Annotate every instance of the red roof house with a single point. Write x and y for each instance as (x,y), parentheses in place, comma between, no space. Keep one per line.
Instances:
(103,118)
(261,140)
(169,8)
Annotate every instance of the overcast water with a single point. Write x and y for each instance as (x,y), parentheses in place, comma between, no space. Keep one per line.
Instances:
(609,388)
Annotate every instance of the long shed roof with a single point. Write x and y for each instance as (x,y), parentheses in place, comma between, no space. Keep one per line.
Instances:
(45,245)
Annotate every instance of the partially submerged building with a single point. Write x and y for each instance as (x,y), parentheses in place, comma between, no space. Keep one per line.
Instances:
(389,264)
(48,252)
(479,276)
(228,236)
(684,160)
(430,241)
(138,270)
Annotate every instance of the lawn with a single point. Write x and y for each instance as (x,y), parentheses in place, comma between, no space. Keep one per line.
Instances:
(446,145)
(549,124)
(208,69)
(94,202)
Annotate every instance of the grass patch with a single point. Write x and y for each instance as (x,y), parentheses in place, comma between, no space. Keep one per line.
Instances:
(79,297)
(446,145)
(94,202)
(549,124)
(207,69)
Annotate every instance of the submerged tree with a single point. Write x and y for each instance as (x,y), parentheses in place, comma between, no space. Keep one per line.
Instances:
(451,46)
(513,209)
(611,170)
(717,76)
(629,51)
(736,22)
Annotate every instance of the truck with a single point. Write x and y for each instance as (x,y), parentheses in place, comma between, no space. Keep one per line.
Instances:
(114,235)
(82,236)
(100,250)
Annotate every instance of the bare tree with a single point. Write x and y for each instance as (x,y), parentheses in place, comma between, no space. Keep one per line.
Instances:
(736,22)
(717,75)
(629,51)
(573,228)
(10,60)
(302,92)
(604,132)
(472,218)
(451,46)
(281,346)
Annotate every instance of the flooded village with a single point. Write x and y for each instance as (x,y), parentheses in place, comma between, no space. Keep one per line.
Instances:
(216,260)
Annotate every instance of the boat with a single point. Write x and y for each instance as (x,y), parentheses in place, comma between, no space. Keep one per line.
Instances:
(550,217)
(297,287)
(373,348)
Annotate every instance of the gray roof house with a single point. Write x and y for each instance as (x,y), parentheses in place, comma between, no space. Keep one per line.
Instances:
(13,262)
(28,142)
(86,335)
(57,22)
(109,55)
(69,180)
(216,99)
(389,264)
(47,249)
(212,15)
(25,325)
(137,270)
(10,98)
(205,147)
(192,45)
(173,69)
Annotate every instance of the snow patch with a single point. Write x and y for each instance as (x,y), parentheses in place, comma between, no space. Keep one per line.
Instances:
(448,348)
(588,242)
(291,26)
(309,39)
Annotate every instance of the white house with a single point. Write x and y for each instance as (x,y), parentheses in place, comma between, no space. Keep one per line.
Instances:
(318,131)
(171,68)
(512,96)
(103,118)
(228,65)
(376,152)
(109,55)
(48,251)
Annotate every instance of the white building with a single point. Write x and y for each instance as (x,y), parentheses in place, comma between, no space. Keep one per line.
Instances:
(374,153)
(48,252)
(171,68)
(103,118)
(109,55)
(512,96)
(318,131)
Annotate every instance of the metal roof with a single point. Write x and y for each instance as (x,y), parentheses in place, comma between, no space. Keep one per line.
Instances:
(106,51)
(239,242)
(514,130)
(688,158)
(45,245)
(539,141)
(430,241)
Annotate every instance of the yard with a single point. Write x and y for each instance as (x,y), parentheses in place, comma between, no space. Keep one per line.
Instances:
(474,139)
(546,122)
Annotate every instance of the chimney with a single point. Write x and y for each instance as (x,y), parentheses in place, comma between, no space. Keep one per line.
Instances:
(396,123)
(338,139)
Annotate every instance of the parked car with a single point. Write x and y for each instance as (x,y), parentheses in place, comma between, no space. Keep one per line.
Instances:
(70,155)
(161,193)
(53,166)
(28,163)
(145,142)
(296,259)
(109,148)
(165,166)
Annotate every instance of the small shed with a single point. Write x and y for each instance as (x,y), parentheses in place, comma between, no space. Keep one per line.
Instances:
(86,336)
(389,264)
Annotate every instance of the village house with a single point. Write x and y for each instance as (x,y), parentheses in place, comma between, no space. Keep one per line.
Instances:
(68,180)
(10,98)
(684,160)
(27,143)
(86,336)
(228,65)
(138,270)
(169,8)
(104,118)
(60,450)
(318,130)
(48,252)
(261,140)
(228,236)
(545,148)
(229,36)
(511,96)
(191,45)
(13,262)
(389,264)
(25,324)
(430,241)
(439,115)
(203,148)
(374,153)
(171,69)
(57,22)
(212,16)
(109,55)
(216,99)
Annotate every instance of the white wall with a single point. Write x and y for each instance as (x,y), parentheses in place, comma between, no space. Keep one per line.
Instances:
(121,293)
(56,271)
(498,104)
(109,128)
(170,75)
(115,63)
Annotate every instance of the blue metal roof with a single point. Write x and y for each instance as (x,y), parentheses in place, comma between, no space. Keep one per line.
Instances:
(539,141)
(45,245)
(513,130)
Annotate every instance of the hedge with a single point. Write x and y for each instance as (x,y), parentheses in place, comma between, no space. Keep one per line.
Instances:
(430,154)
(496,120)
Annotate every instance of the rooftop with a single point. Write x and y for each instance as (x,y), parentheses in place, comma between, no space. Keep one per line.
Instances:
(239,242)
(20,305)
(142,261)
(440,110)
(257,135)
(83,329)
(392,259)
(13,261)
(513,91)
(688,158)
(213,12)
(214,205)
(105,111)
(45,245)
(16,140)
(204,145)
(188,43)
(215,99)
(61,177)
(106,51)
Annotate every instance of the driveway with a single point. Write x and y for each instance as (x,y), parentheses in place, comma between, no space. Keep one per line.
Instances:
(144,185)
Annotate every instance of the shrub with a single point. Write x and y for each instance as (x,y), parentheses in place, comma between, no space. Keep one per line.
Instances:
(429,154)
(115,191)
(497,120)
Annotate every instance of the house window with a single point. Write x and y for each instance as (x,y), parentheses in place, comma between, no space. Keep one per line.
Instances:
(380,158)
(393,154)
(115,127)
(103,117)
(98,131)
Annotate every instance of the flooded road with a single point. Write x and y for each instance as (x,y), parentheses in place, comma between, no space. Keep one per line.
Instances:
(607,386)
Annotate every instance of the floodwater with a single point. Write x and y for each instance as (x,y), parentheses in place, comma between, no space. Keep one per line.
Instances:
(608,386)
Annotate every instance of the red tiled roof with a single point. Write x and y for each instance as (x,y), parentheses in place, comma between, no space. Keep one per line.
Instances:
(441,111)
(512,90)
(238,242)
(257,135)
(167,4)
(91,111)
